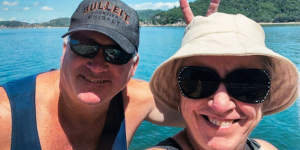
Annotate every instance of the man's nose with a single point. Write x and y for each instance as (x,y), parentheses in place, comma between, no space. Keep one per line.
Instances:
(221,102)
(98,63)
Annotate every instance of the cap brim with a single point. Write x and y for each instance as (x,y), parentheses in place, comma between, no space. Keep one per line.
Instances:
(121,40)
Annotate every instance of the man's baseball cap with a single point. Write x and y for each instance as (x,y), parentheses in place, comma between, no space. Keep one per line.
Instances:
(112,18)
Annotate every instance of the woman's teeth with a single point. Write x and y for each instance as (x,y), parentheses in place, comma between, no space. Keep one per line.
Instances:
(221,124)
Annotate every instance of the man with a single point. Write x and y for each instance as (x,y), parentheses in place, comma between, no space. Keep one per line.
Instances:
(84,104)
(81,105)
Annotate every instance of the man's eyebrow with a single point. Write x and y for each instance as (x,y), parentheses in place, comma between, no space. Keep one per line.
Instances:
(114,44)
(84,39)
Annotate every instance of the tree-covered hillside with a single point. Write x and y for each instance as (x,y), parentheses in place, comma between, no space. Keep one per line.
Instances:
(60,22)
(13,24)
(259,10)
(146,15)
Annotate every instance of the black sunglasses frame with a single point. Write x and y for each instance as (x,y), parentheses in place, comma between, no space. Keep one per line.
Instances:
(233,89)
(113,54)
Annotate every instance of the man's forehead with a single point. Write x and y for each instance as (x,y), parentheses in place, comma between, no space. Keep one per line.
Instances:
(92,35)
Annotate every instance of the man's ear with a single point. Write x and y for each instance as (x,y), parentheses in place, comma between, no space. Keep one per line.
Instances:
(136,59)
(65,42)
(64,46)
(64,51)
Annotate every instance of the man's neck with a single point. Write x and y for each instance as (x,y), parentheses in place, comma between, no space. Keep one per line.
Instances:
(77,114)
(83,124)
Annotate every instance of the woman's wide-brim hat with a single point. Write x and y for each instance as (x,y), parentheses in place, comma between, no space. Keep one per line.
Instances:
(223,34)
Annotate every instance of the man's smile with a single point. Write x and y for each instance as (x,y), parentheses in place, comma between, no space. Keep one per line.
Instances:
(94,80)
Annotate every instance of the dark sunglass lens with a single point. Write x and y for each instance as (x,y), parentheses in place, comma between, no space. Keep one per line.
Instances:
(248,85)
(82,49)
(198,82)
(116,55)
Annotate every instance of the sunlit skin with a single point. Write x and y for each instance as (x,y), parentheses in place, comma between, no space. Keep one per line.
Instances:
(220,106)
(78,72)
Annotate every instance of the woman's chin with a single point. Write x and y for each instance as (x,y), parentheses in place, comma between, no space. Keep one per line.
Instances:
(221,145)
(89,98)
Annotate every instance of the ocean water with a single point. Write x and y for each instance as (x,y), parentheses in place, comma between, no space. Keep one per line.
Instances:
(27,51)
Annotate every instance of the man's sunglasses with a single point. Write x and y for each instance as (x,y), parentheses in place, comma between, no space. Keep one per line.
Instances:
(246,85)
(89,49)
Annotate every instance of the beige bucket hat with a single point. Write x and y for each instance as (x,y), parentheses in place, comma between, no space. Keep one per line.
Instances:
(223,34)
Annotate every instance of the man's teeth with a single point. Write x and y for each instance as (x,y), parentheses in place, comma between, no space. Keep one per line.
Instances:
(222,124)
(95,80)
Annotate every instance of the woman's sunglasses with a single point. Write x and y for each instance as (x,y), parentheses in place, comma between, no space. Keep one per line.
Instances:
(89,49)
(246,85)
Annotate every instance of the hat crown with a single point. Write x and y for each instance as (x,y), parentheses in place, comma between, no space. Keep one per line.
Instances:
(243,31)
(109,13)
(111,17)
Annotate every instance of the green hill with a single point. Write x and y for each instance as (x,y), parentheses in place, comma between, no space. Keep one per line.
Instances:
(146,15)
(259,10)
(60,22)
(13,24)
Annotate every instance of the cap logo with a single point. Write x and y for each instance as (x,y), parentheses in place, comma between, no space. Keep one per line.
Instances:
(108,7)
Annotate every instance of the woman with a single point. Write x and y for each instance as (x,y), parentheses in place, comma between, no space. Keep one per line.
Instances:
(222,81)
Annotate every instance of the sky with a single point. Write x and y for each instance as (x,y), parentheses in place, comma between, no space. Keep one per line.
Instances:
(37,11)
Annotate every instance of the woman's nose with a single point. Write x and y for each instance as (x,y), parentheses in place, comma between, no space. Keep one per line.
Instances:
(221,102)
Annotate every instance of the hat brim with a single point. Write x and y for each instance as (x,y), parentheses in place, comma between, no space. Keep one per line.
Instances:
(117,37)
(284,82)
(225,35)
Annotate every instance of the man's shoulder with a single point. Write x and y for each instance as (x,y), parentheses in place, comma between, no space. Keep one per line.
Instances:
(43,77)
(140,99)
(265,145)
(4,102)
(5,119)
(48,76)
(139,91)
(47,79)
(137,83)
(138,104)
(43,80)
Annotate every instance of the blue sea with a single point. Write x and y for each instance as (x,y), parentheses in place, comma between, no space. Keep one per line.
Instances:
(27,51)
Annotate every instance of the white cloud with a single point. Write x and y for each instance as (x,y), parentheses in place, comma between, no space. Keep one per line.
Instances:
(5,9)
(26,8)
(12,19)
(1,19)
(159,5)
(47,8)
(7,3)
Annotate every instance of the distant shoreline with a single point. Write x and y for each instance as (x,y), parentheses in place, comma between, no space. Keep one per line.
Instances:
(153,25)
(281,23)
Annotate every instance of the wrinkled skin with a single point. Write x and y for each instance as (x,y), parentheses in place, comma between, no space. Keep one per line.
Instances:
(220,122)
